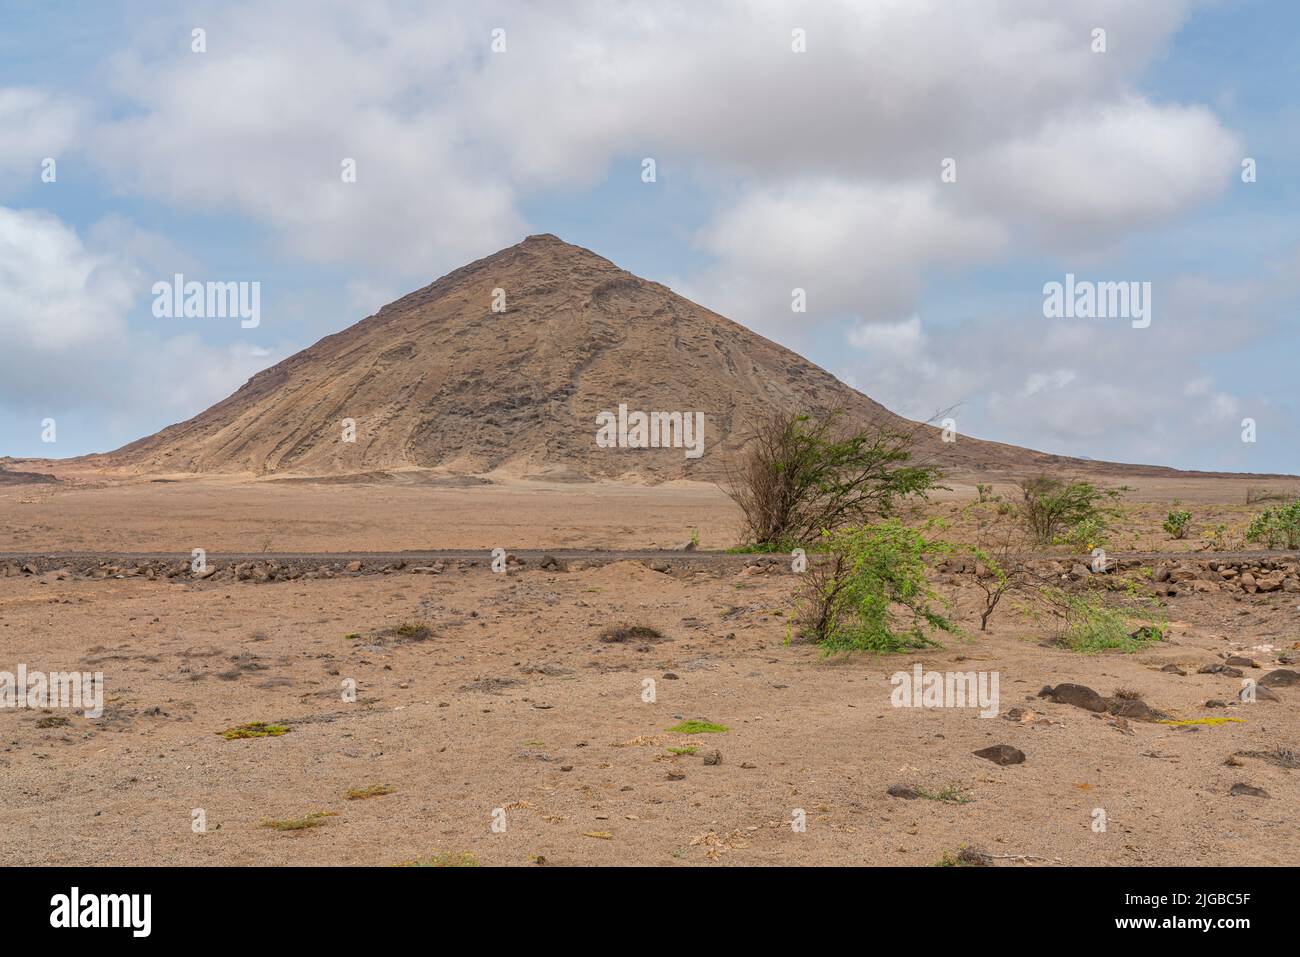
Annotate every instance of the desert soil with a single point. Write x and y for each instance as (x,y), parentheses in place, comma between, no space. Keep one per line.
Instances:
(513,702)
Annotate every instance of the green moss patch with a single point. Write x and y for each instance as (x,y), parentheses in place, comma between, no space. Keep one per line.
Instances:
(255,729)
(696,726)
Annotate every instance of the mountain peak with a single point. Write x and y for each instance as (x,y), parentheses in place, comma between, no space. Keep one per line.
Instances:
(507,365)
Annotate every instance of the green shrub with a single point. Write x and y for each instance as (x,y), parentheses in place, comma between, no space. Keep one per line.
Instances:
(1051,506)
(800,475)
(1177,521)
(1091,626)
(1278,527)
(870,592)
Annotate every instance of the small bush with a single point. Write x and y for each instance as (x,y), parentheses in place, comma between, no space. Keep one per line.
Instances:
(871,593)
(1051,507)
(1278,527)
(1177,522)
(1091,626)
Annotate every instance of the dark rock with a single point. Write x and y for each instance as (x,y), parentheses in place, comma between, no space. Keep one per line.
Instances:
(1003,754)
(1134,708)
(1217,669)
(1261,694)
(1247,790)
(1080,696)
(1281,678)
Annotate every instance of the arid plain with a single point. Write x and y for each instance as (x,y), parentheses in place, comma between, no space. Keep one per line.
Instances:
(487,698)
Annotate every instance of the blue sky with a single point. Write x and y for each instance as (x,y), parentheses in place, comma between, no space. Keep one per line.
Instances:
(775,169)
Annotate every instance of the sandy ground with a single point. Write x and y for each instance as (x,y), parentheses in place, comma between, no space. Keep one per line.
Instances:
(287,516)
(513,705)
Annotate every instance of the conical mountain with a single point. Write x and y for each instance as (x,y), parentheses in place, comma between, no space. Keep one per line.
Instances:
(440,379)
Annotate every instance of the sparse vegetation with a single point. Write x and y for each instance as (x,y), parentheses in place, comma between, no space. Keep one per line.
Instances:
(800,476)
(1053,507)
(1000,563)
(255,729)
(314,819)
(870,592)
(373,790)
(1091,626)
(1277,527)
(949,795)
(688,750)
(620,634)
(412,631)
(1177,521)
(697,726)
(444,859)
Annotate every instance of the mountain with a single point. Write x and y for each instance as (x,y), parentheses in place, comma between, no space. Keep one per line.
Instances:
(441,380)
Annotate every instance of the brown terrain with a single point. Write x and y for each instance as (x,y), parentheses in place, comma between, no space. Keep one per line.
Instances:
(484,697)
(439,381)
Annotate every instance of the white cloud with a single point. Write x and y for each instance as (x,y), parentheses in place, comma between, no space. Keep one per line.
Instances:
(34,125)
(70,343)
(54,292)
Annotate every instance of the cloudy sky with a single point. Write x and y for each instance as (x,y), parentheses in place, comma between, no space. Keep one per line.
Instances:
(777,168)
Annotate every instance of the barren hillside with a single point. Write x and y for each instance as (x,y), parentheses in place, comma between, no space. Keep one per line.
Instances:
(438,379)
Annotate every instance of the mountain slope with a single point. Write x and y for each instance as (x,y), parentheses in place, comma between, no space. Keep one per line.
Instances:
(438,379)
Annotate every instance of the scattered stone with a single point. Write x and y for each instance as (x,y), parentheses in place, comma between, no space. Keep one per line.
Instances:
(1135,708)
(1217,669)
(1080,696)
(1281,678)
(1237,661)
(1247,790)
(1261,694)
(1173,669)
(1002,754)
(713,758)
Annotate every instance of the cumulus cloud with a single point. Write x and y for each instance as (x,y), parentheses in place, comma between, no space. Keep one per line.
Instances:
(1079,386)
(827,166)
(858,248)
(34,125)
(66,306)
